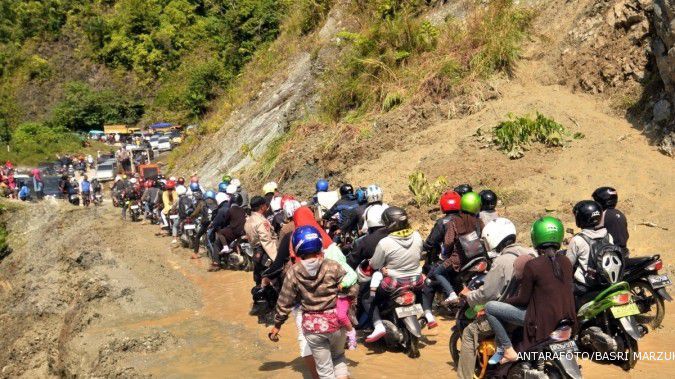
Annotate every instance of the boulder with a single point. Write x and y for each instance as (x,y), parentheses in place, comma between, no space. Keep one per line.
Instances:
(662,111)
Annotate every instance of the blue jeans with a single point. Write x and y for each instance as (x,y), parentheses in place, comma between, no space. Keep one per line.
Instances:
(497,313)
(439,274)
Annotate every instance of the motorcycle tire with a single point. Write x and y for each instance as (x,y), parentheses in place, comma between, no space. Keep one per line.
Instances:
(630,346)
(247,265)
(643,292)
(455,346)
(412,344)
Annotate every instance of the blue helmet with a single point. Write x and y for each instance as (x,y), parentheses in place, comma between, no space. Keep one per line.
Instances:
(306,240)
(210,195)
(322,185)
(361,195)
(194,186)
(222,187)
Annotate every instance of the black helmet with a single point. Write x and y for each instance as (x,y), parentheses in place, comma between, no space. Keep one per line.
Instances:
(346,189)
(606,197)
(587,214)
(236,198)
(395,219)
(488,200)
(463,188)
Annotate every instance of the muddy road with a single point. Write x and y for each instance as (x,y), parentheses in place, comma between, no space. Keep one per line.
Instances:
(102,297)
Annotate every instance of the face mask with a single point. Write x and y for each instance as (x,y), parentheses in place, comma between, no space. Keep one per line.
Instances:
(311,265)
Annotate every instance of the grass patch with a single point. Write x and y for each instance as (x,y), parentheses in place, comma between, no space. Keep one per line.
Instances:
(425,192)
(514,135)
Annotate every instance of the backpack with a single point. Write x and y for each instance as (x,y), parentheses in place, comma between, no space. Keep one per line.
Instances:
(185,207)
(605,262)
(470,243)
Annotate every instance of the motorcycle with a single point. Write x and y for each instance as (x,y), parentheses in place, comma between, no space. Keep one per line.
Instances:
(607,325)
(476,267)
(240,256)
(134,208)
(189,231)
(98,198)
(648,288)
(74,199)
(400,315)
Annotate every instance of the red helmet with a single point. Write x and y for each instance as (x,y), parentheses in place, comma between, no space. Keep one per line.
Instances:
(148,184)
(450,201)
(285,198)
(170,185)
(181,181)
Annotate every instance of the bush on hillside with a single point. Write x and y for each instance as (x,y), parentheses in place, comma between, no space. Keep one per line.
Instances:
(425,192)
(35,142)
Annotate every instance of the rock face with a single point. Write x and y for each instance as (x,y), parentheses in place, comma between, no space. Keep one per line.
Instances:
(663,48)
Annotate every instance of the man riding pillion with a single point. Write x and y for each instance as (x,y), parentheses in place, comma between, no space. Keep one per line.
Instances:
(261,236)
(200,212)
(488,203)
(499,235)
(612,219)
(347,202)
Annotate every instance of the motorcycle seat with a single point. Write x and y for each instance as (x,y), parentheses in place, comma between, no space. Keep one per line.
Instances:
(639,261)
(472,262)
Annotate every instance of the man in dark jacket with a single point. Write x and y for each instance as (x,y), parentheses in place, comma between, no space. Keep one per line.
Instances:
(231,226)
(613,219)
(341,207)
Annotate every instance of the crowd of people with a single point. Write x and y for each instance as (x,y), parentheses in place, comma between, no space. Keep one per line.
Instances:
(333,268)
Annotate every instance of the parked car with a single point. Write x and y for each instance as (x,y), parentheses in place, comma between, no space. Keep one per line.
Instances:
(105,171)
(154,141)
(164,144)
(176,137)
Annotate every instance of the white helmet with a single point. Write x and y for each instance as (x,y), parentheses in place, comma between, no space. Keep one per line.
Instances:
(236,183)
(290,207)
(275,203)
(132,180)
(220,197)
(495,232)
(373,215)
(270,187)
(231,188)
(374,193)
(181,190)
(173,178)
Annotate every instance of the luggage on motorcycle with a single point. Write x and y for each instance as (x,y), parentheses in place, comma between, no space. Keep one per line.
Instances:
(605,261)
(471,244)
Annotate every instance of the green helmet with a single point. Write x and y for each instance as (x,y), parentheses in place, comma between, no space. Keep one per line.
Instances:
(470,203)
(227,179)
(547,230)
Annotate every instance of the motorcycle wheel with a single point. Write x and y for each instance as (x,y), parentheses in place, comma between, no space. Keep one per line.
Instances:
(630,347)
(455,345)
(413,345)
(647,297)
(248,263)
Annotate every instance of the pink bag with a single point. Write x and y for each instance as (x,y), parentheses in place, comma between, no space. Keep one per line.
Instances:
(325,322)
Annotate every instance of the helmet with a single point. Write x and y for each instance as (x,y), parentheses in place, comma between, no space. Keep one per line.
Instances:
(181,180)
(194,186)
(132,180)
(173,178)
(322,185)
(147,184)
(547,232)
(306,240)
(374,193)
(275,204)
(236,198)
(463,188)
(346,189)
(181,190)
(361,195)
(194,178)
(210,194)
(488,200)
(364,272)
(290,207)
(170,185)
(374,216)
(395,219)
(270,187)
(470,203)
(124,176)
(606,197)
(450,201)
(497,232)
(587,214)
(227,179)
(286,198)
(231,189)
(222,187)
(221,197)
(236,182)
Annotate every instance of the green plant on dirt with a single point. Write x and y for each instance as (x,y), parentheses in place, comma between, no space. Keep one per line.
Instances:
(391,101)
(515,134)
(423,191)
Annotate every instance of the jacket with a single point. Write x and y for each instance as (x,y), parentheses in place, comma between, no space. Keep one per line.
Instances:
(315,293)
(579,252)
(461,224)
(433,245)
(547,300)
(364,247)
(169,199)
(334,253)
(341,208)
(617,226)
(500,274)
(260,234)
(400,252)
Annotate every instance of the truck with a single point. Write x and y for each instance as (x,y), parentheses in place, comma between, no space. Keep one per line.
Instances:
(149,171)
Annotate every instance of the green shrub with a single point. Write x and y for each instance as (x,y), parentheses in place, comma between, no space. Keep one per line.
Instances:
(35,142)
(424,192)
(514,135)
(306,15)
(391,101)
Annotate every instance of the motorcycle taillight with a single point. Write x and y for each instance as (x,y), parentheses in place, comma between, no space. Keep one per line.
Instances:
(656,266)
(479,267)
(406,298)
(623,298)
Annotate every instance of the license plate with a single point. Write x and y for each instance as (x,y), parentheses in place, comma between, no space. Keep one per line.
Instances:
(625,310)
(563,347)
(659,281)
(189,226)
(134,207)
(174,217)
(413,310)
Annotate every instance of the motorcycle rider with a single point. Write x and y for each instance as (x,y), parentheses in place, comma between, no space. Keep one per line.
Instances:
(321,186)
(397,256)
(169,200)
(261,236)
(347,201)
(500,237)
(85,190)
(200,212)
(151,198)
(613,219)
(463,189)
(364,247)
(433,246)
(544,297)
(116,190)
(217,223)
(240,190)
(488,203)
(96,187)
(185,206)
